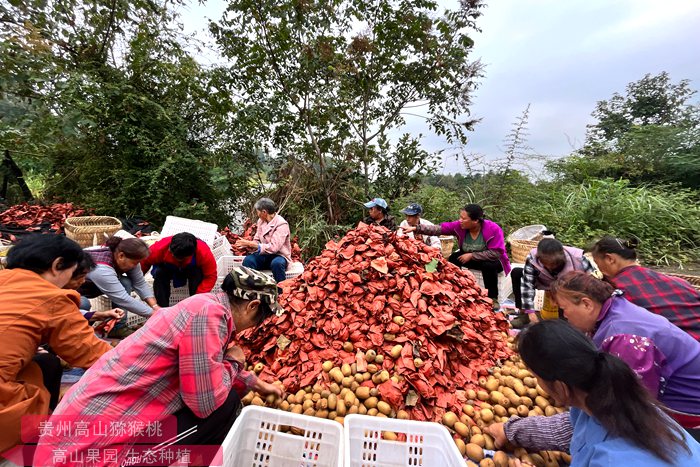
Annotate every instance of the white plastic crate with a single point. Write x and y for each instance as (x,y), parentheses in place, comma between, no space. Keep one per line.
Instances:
(178,294)
(293,270)
(224,264)
(220,247)
(505,284)
(205,231)
(101,303)
(123,234)
(427,444)
(132,319)
(256,440)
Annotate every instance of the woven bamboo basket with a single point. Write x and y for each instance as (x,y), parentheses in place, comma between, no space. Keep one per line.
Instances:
(694,280)
(91,230)
(519,249)
(447,244)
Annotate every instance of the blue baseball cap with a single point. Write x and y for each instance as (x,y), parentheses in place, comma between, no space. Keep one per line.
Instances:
(413,209)
(376,202)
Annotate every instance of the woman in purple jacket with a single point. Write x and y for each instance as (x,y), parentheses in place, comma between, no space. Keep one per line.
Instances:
(481,245)
(666,359)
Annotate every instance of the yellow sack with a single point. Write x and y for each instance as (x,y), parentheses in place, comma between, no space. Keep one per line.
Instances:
(550,310)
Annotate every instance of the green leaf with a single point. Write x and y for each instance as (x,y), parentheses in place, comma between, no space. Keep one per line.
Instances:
(432,265)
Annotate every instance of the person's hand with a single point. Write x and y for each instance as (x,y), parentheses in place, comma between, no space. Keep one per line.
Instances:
(498,434)
(247,244)
(115,313)
(266,389)
(465,258)
(155,308)
(409,229)
(515,462)
(235,353)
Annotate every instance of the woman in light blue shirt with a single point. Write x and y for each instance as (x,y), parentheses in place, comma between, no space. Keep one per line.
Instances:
(615,419)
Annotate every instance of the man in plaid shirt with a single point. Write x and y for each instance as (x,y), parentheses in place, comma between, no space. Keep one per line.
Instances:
(671,297)
(180,363)
(542,266)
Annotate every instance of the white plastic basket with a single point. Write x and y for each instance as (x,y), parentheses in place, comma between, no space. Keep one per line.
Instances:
(178,294)
(132,319)
(427,444)
(123,234)
(224,264)
(205,231)
(220,247)
(101,303)
(505,284)
(293,270)
(256,440)
(529,232)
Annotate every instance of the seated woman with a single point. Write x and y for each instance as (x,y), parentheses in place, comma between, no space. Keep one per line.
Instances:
(117,274)
(35,310)
(179,364)
(481,245)
(614,418)
(671,297)
(77,280)
(271,247)
(182,259)
(542,267)
(666,359)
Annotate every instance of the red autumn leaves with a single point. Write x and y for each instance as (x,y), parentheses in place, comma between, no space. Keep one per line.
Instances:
(372,289)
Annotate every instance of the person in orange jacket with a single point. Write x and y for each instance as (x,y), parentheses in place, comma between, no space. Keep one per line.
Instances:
(35,310)
(182,258)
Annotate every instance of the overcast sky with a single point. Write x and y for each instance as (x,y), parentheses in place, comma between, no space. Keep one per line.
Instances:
(559,56)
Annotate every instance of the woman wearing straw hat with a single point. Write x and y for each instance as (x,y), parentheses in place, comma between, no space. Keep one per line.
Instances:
(180,364)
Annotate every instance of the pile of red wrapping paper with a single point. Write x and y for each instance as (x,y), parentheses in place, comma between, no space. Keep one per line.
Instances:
(36,218)
(353,291)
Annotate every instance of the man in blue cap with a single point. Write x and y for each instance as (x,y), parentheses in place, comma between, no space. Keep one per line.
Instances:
(379,214)
(413,217)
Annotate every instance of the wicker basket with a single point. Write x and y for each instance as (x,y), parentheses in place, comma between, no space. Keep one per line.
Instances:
(694,280)
(91,230)
(519,249)
(447,244)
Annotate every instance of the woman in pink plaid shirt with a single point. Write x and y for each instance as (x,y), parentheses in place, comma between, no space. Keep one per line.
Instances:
(181,364)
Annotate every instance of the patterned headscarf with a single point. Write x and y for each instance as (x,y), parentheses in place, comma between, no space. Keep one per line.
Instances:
(255,285)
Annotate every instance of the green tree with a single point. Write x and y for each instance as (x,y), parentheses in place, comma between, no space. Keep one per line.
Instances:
(115,113)
(649,135)
(653,100)
(323,83)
